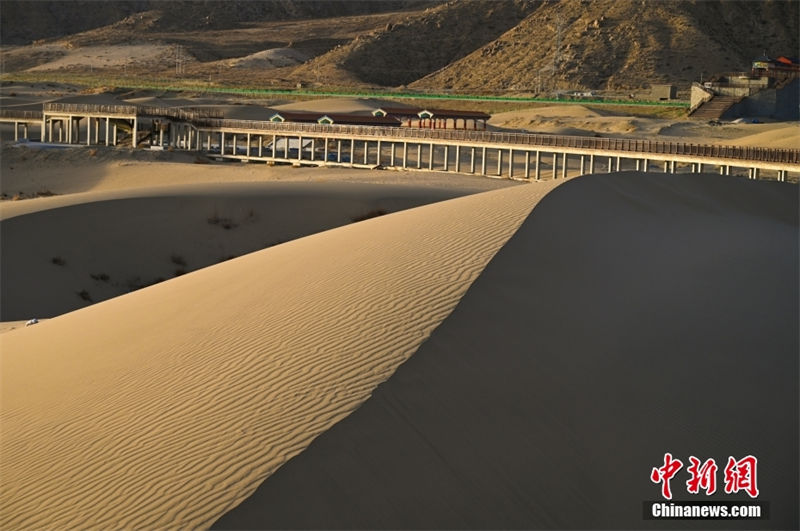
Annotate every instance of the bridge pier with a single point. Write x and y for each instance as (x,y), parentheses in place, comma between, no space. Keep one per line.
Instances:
(555,166)
(499,162)
(538,166)
(483,161)
(472,161)
(527,164)
(564,166)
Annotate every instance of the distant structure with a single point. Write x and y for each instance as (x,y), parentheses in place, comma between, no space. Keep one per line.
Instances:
(434,118)
(334,118)
(771,89)
(662,92)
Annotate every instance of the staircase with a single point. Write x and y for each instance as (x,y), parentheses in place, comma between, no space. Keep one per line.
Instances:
(714,108)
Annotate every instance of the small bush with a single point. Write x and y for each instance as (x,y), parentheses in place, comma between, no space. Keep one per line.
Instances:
(83,294)
(57,260)
(371,214)
(102,277)
(179,272)
(178,260)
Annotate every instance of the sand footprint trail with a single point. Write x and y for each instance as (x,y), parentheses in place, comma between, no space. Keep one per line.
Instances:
(169,406)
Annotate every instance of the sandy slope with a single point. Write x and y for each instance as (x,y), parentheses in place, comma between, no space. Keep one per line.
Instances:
(97,245)
(630,315)
(168,406)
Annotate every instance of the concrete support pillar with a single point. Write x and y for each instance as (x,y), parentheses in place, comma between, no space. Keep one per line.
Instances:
(366,151)
(50,126)
(405,155)
(527,164)
(135,132)
(483,161)
(430,157)
(419,156)
(537,166)
(510,163)
(352,152)
(88,131)
(378,159)
(96,130)
(261,146)
(699,167)
(235,147)
(472,160)
(666,166)
(25,131)
(300,148)
(247,155)
(446,156)
(392,155)
(114,137)
(458,158)
(755,173)
(16,131)
(499,162)
(619,163)
(69,129)
(645,164)
(638,164)
(583,165)
(43,132)
(160,136)
(339,151)
(727,170)
(610,161)
(274,147)
(555,166)
(286,148)
(672,166)
(591,163)
(324,150)
(564,166)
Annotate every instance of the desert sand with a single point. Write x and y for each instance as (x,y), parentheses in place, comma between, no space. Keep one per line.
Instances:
(552,341)
(168,406)
(630,315)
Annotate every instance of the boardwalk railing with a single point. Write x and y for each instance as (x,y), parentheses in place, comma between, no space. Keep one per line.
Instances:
(212,119)
(24,115)
(180,113)
(660,147)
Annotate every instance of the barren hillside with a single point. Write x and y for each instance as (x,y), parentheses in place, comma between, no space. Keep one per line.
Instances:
(485,46)
(612,44)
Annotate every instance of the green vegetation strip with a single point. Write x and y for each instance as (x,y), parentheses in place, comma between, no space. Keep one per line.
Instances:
(172,86)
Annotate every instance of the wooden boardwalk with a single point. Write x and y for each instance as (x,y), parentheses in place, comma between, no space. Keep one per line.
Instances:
(510,155)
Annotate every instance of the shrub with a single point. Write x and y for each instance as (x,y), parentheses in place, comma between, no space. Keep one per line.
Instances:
(83,294)
(57,260)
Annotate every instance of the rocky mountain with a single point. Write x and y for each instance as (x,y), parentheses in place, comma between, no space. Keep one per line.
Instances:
(486,46)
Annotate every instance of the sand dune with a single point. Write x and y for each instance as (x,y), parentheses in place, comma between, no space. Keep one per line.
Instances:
(629,316)
(168,406)
(94,246)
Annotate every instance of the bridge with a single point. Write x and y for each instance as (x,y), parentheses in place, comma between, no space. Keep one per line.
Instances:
(497,154)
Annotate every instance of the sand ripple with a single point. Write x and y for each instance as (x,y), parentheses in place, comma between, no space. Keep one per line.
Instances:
(169,406)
